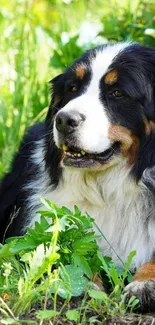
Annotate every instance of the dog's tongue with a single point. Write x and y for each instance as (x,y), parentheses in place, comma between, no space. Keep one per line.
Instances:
(80,162)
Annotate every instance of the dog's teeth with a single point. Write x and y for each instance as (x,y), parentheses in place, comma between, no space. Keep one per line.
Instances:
(64,147)
(70,154)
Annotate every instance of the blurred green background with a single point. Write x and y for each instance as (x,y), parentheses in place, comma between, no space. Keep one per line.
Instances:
(39,38)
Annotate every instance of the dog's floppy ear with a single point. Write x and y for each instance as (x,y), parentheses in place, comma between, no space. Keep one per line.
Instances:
(56,79)
(149,106)
(57,91)
(147,80)
(149,86)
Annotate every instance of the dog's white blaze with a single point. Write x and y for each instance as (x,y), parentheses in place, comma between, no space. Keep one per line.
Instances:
(101,63)
(93,134)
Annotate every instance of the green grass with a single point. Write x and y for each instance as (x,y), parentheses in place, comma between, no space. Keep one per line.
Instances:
(56,260)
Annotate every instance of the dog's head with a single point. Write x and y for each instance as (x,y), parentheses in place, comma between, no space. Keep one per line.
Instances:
(103,106)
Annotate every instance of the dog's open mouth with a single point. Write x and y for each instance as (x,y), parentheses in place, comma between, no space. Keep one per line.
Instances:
(74,157)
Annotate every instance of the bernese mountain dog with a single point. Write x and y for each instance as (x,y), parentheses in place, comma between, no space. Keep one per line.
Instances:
(95,150)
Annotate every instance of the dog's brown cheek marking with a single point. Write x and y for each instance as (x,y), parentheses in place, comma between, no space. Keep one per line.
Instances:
(80,71)
(145,272)
(111,77)
(129,142)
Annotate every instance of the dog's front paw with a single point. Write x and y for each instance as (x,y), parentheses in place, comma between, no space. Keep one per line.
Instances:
(144,291)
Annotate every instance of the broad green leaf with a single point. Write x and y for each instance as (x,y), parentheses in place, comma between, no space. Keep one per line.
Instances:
(94,320)
(23,244)
(6,250)
(73,314)
(78,280)
(66,211)
(9,321)
(96,294)
(76,210)
(73,280)
(81,261)
(46,314)
(44,223)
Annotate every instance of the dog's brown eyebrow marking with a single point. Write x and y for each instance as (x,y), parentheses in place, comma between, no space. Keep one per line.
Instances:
(80,71)
(111,77)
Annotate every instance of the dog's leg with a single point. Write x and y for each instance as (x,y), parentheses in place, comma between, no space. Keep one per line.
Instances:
(143,286)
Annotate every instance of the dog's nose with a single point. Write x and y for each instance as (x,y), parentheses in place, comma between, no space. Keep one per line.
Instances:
(68,122)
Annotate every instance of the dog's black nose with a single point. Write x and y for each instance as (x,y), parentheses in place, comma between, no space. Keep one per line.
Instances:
(68,122)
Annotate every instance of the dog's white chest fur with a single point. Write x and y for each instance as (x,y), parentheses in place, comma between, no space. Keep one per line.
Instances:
(124,211)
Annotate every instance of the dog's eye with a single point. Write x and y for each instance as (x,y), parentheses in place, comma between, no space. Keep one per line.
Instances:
(117,93)
(73,88)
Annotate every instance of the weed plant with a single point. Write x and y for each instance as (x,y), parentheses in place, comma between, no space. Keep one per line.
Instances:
(58,259)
